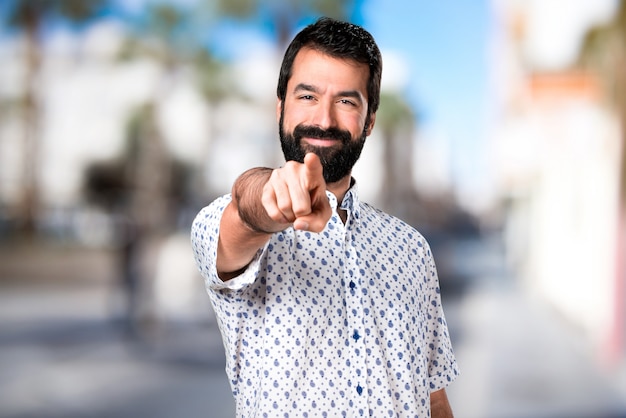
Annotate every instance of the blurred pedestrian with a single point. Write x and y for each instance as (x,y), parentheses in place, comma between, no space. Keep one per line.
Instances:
(327,306)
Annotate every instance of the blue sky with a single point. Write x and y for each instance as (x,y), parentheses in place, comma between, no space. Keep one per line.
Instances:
(445,45)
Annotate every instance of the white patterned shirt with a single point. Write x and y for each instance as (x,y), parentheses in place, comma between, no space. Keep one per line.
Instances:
(343,323)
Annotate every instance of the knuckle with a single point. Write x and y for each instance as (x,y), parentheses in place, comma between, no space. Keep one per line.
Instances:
(300,212)
(284,206)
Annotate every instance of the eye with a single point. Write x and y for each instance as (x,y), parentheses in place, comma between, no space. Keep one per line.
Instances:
(347,102)
(307,97)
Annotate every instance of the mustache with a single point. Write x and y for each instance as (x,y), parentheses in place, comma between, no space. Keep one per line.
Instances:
(301,131)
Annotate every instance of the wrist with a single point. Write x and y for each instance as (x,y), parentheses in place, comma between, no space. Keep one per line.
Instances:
(250,224)
(246,195)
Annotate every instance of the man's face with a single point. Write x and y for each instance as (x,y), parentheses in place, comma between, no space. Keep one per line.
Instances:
(325,111)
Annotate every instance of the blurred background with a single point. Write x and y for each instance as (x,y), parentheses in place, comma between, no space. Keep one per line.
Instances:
(500,137)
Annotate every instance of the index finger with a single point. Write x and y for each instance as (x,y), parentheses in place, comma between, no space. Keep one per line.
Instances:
(315,170)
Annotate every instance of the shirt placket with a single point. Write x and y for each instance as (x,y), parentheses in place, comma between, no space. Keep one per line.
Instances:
(357,365)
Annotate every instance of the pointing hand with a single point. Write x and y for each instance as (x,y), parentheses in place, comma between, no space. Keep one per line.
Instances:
(296,194)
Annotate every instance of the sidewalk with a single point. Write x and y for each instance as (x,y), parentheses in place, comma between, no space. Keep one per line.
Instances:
(62,356)
(519,359)
(88,367)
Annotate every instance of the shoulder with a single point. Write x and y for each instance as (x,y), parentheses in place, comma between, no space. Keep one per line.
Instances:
(376,217)
(206,224)
(213,210)
(393,228)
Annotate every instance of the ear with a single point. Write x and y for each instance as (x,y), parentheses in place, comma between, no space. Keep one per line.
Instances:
(279,106)
(370,127)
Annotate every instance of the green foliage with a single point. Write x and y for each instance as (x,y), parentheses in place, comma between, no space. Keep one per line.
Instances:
(30,13)
(394,111)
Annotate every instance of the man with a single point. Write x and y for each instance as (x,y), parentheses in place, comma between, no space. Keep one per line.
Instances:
(327,306)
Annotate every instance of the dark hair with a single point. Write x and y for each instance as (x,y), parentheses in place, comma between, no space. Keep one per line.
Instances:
(339,40)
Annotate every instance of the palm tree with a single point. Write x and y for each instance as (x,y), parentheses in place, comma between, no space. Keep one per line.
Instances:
(163,36)
(395,119)
(30,17)
(283,16)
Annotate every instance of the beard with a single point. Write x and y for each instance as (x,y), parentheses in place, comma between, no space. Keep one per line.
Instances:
(337,160)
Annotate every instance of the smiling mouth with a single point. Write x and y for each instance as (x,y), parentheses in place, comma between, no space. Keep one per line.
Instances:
(321,142)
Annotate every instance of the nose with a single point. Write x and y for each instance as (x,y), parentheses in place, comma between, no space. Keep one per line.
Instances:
(324,115)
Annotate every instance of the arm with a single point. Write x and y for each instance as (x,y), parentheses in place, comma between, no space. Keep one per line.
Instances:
(266,201)
(238,241)
(439,405)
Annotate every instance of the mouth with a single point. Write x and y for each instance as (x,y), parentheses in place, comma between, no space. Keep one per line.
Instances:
(321,142)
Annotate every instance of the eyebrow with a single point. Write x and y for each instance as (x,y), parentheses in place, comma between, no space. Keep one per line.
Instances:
(347,93)
(305,87)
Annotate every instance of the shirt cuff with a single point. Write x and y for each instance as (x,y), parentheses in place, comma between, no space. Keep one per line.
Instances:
(247,277)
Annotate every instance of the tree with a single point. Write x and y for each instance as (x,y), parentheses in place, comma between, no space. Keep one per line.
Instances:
(164,35)
(32,18)
(284,17)
(396,121)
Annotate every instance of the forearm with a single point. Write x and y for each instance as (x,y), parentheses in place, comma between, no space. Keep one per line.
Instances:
(237,244)
(439,405)
(247,199)
(244,227)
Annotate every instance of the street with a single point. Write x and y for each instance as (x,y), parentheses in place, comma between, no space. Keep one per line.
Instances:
(64,354)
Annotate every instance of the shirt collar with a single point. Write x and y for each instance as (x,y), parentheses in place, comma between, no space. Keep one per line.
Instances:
(350,201)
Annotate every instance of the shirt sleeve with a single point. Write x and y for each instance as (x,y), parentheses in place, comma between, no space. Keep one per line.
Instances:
(442,365)
(204,238)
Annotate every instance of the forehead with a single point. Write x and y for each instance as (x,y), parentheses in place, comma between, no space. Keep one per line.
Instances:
(315,67)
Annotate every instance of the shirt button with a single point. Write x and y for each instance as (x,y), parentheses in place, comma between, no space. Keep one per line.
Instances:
(352,285)
(356,335)
(359,389)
